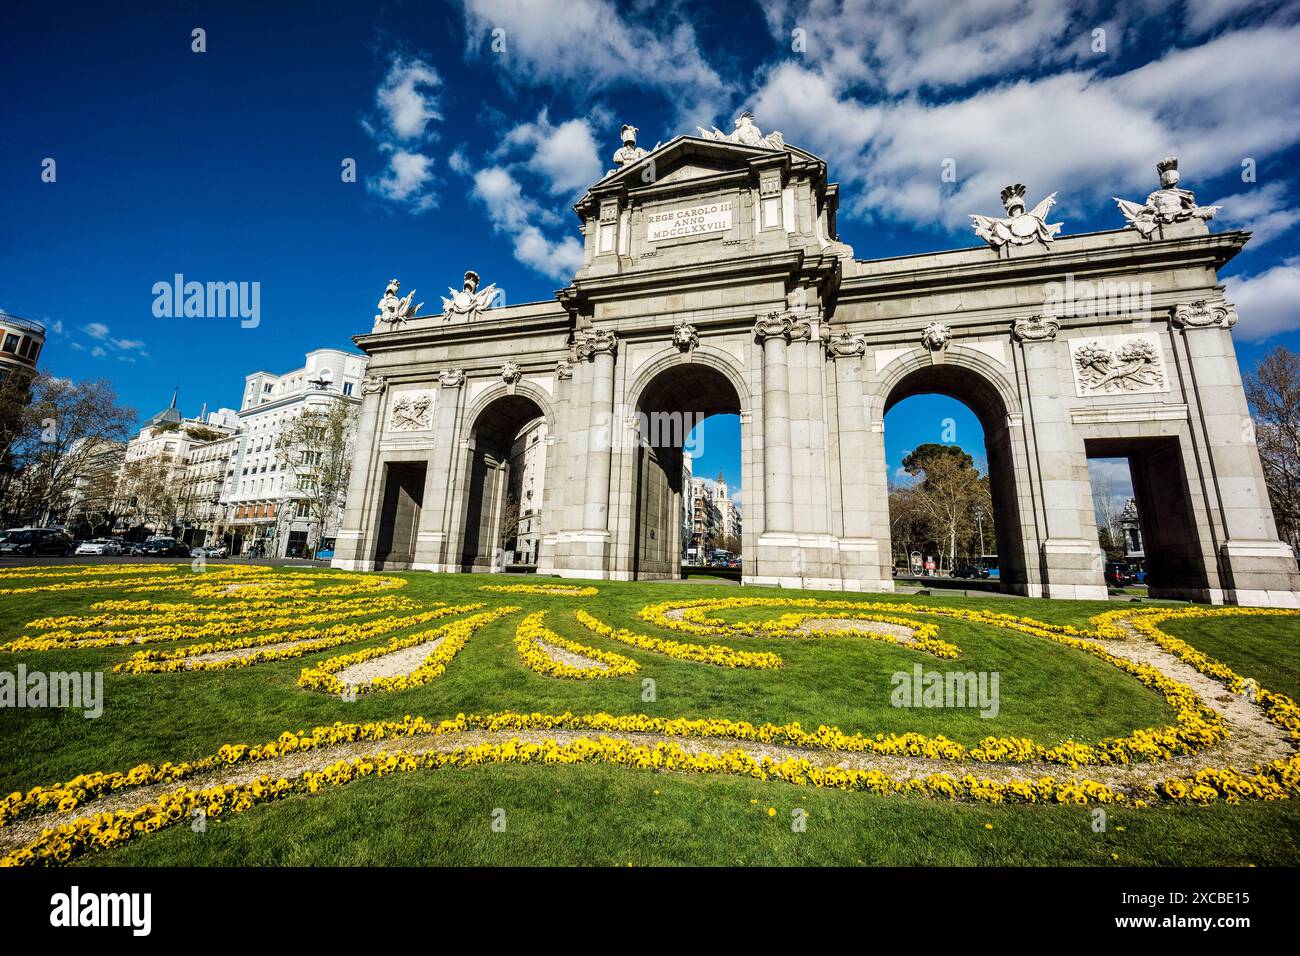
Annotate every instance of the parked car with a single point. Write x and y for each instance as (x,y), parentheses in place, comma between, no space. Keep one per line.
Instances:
(210,551)
(970,571)
(1117,575)
(105,546)
(35,542)
(161,547)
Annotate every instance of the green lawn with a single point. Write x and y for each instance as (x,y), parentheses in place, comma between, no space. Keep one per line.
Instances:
(603,815)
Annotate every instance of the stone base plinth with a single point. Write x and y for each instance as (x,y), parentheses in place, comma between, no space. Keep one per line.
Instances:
(1074,568)
(1259,574)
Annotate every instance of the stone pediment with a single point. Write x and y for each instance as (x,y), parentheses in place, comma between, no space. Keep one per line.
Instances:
(707,198)
(691,157)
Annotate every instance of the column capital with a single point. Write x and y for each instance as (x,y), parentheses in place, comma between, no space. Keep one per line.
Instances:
(373,385)
(595,341)
(845,345)
(800,328)
(773,325)
(1202,314)
(451,378)
(564,370)
(1035,328)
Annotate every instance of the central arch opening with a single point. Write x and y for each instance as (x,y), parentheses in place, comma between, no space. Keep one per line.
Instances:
(952,498)
(505,487)
(688,431)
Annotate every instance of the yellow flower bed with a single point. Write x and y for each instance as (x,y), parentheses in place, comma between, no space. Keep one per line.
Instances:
(242,580)
(452,637)
(184,625)
(299,643)
(568,590)
(532,630)
(66,842)
(716,654)
(1195,726)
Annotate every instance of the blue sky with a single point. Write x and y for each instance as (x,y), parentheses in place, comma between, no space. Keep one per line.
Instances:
(225,165)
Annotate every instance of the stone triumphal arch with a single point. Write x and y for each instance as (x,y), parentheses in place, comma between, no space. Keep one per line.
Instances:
(715,281)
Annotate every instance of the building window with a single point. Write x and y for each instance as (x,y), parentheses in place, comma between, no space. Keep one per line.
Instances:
(11,342)
(347,388)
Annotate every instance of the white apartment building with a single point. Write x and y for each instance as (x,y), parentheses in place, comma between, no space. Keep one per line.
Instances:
(153,488)
(262,501)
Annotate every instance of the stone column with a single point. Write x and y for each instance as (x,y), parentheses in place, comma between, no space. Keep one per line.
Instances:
(864,494)
(773,330)
(354,546)
(1259,568)
(1071,553)
(599,347)
(557,448)
(431,538)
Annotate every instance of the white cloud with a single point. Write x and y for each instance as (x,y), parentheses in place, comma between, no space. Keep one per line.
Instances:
(559,259)
(406,179)
(101,334)
(408,98)
(1089,135)
(458,162)
(512,213)
(1207,14)
(408,104)
(589,46)
(566,156)
(1268,303)
(501,193)
(1261,209)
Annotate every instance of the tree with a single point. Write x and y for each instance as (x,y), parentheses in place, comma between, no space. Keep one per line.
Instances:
(315,449)
(148,491)
(1107,511)
(55,439)
(940,510)
(1273,391)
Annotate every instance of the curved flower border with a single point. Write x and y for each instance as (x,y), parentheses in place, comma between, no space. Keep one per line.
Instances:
(532,631)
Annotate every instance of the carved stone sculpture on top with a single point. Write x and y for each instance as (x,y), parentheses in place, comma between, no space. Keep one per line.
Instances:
(629,152)
(394,311)
(1019,228)
(1166,205)
(469,302)
(746,133)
